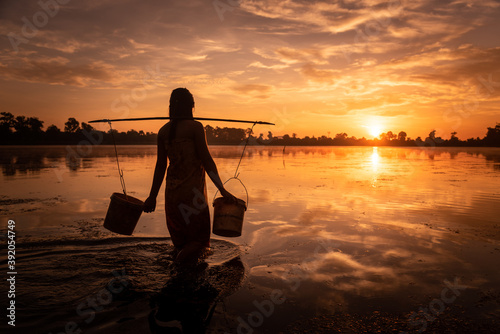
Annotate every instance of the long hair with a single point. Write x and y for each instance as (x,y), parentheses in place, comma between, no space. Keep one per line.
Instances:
(181,107)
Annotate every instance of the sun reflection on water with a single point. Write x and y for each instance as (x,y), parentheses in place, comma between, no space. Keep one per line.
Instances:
(375,164)
(375,158)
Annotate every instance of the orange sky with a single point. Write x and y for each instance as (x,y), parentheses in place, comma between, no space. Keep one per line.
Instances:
(312,67)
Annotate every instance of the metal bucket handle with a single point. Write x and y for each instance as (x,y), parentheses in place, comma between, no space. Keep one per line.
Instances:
(227,182)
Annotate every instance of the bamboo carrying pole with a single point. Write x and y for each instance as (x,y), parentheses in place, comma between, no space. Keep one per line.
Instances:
(160,118)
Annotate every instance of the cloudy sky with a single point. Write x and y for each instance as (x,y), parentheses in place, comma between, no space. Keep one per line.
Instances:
(312,67)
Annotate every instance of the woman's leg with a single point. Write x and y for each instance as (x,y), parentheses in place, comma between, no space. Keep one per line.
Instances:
(192,251)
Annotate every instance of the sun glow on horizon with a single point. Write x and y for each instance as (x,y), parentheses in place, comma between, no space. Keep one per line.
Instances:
(375,130)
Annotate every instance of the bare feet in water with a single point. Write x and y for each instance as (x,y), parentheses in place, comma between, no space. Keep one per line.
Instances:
(192,252)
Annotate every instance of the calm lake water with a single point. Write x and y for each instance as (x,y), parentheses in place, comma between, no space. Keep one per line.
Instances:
(356,232)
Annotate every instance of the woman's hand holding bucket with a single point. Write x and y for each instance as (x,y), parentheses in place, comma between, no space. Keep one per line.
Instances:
(149,204)
(228,197)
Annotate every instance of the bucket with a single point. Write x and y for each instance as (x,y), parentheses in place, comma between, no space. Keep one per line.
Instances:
(228,217)
(123,213)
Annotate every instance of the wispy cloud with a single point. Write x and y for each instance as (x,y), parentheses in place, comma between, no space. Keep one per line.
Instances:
(320,75)
(58,72)
(258,64)
(255,90)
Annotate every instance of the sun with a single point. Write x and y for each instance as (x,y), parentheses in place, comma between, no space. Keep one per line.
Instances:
(375,130)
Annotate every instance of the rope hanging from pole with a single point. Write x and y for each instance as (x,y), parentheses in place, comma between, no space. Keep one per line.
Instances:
(236,174)
(242,153)
(120,171)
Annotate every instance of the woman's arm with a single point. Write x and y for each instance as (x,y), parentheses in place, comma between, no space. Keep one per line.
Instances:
(208,161)
(160,168)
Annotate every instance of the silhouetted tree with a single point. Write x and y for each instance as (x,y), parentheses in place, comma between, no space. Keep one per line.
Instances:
(28,129)
(324,140)
(53,134)
(53,130)
(454,141)
(35,125)
(341,136)
(21,125)
(87,127)
(7,122)
(228,135)
(432,140)
(492,137)
(269,135)
(402,136)
(72,125)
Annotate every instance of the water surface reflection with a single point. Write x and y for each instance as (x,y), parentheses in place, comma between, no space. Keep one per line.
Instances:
(336,229)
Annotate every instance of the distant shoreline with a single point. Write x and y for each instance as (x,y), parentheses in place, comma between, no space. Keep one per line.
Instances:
(259,145)
(28,131)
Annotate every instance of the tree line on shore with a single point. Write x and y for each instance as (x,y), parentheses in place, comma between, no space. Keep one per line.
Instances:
(22,130)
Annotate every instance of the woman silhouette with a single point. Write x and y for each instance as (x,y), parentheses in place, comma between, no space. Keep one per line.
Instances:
(182,141)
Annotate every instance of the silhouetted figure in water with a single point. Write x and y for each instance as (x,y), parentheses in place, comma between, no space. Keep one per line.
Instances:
(182,141)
